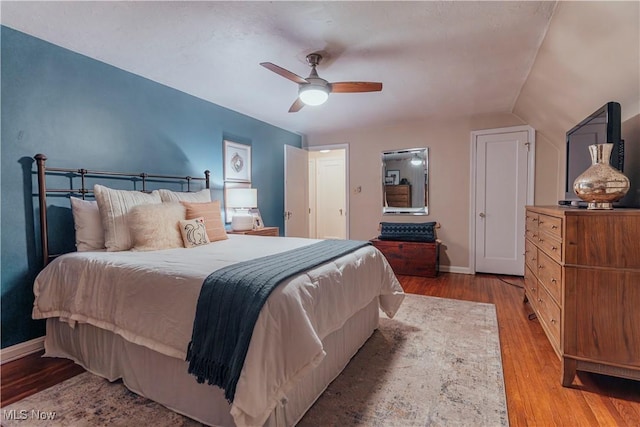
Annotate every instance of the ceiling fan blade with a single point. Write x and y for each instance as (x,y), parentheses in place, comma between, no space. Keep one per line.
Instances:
(296,106)
(351,87)
(284,73)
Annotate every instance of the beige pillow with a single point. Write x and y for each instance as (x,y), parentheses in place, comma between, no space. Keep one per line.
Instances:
(88,225)
(212,218)
(114,206)
(202,196)
(194,232)
(156,226)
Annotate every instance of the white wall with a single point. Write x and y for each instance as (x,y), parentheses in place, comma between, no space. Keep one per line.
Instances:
(449,166)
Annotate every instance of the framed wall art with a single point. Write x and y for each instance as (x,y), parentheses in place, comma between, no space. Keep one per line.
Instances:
(237,162)
(394,175)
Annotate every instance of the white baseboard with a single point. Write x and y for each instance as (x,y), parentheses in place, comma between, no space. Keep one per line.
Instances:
(20,350)
(454,269)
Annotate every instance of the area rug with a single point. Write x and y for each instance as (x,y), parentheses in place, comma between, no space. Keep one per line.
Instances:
(437,363)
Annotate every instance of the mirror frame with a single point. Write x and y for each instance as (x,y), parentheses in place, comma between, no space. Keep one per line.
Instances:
(396,210)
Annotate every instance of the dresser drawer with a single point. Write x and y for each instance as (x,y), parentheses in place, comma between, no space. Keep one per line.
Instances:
(532,234)
(531,224)
(550,225)
(550,275)
(549,312)
(397,190)
(398,200)
(550,246)
(530,255)
(531,286)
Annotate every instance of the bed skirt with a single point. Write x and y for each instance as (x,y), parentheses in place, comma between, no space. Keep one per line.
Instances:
(165,379)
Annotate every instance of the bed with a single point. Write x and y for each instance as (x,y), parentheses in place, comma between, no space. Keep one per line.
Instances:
(129,314)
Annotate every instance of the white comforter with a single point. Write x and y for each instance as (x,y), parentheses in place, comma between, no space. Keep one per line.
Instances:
(149,298)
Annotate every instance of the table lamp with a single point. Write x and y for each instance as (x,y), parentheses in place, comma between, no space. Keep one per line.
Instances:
(241,200)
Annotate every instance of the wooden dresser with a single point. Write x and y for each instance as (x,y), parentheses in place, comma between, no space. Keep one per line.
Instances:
(582,279)
(398,196)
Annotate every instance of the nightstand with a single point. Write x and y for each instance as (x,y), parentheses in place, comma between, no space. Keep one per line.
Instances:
(266,231)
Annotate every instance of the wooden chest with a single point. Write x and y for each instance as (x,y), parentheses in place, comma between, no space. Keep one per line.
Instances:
(411,258)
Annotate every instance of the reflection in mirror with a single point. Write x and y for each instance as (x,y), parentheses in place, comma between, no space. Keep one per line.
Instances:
(405,181)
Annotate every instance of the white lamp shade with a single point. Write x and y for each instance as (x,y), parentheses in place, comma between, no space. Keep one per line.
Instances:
(313,95)
(244,198)
(416,160)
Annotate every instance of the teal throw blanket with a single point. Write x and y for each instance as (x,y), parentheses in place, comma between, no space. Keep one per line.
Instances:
(229,304)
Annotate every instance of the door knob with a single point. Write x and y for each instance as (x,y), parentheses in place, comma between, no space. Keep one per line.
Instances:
(481,214)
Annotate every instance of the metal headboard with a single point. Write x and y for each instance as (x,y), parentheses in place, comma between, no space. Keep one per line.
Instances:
(83,190)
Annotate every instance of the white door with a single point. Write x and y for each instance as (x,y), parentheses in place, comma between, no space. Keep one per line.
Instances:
(503,187)
(330,199)
(296,192)
(312,196)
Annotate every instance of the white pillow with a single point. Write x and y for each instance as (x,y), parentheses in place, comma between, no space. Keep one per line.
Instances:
(114,206)
(156,226)
(88,225)
(194,233)
(175,196)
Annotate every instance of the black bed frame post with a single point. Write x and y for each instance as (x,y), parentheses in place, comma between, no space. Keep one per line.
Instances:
(206,176)
(144,181)
(42,200)
(83,188)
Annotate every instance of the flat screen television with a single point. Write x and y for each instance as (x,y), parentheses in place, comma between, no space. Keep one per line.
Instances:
(603,126)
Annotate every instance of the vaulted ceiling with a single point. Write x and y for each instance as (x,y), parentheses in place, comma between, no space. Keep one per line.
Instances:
(435,59)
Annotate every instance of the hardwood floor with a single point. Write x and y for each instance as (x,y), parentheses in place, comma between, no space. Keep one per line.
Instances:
(33,373)
(531,368)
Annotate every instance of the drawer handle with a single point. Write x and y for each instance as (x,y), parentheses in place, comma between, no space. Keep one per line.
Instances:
(541,222)
(554,227)
(540,240)
(540,267)
(533,259)
(533,289)
(553,248)
(553,280)
(535,219)
(539,300)
(553,321)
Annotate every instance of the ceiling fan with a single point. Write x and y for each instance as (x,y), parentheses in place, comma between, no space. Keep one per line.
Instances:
(315,90)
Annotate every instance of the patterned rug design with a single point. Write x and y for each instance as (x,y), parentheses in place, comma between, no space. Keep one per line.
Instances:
(437,363)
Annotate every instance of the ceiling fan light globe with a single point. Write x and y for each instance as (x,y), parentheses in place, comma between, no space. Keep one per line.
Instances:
(314,95)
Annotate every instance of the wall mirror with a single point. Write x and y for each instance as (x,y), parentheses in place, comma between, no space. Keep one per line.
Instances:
(405,181)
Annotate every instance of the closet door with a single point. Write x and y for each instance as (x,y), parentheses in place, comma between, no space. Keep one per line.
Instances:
(502,190)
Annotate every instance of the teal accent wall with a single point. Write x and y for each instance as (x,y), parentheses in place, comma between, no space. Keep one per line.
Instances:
(80,112)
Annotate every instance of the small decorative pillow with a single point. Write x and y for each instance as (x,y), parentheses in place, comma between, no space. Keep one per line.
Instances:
(202,196)
(408,232)
(212,218)
(114,206)
(88,225)
(194,232)
(156,226)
